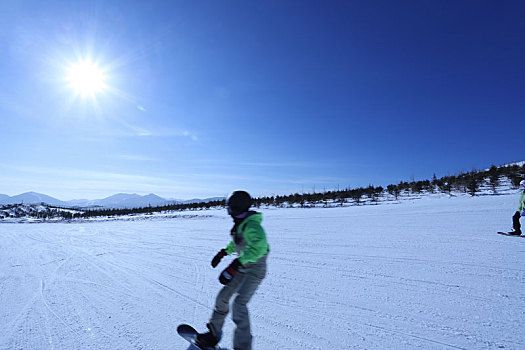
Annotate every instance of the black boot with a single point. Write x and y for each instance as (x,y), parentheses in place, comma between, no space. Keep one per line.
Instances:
(516,227)
(207,340)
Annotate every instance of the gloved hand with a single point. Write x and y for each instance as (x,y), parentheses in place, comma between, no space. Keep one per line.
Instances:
(522,213)
(229,273)
(217,258)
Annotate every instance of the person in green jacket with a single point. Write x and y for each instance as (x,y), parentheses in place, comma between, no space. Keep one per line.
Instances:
(242,277)
(516,227)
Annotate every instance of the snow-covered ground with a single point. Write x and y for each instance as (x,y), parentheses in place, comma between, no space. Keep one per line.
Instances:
(423,274)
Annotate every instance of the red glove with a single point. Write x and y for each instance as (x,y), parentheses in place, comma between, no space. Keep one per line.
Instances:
(217,258)
(229,273)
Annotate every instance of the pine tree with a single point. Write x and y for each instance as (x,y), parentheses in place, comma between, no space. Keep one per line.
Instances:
(472,184)
(494,178)
(393,190)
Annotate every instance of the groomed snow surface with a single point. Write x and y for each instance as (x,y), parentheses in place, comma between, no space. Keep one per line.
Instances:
(423,274)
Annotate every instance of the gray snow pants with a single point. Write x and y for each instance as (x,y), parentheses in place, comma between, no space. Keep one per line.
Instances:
(244,284)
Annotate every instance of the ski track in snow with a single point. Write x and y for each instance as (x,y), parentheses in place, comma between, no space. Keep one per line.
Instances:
(425,274)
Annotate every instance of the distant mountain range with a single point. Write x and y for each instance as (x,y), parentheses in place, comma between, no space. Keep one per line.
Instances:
(120,200)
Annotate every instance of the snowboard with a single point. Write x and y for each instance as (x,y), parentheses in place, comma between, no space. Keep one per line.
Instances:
(508,234)
(190,334)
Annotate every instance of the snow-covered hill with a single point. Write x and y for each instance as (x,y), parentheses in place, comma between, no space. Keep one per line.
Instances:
(43,212)
(30,198)
(33,213)
(124,200)
(120,200)
(425,273)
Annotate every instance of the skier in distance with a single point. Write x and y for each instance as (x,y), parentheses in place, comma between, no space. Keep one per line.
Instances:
(242,277)
(516,227)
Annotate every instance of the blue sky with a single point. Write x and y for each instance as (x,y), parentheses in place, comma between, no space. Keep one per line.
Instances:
(275,97)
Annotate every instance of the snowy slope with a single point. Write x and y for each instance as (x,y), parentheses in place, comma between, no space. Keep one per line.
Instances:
(423,274)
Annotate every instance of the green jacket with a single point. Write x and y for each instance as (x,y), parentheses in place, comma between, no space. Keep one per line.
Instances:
(522,201)
(249,240)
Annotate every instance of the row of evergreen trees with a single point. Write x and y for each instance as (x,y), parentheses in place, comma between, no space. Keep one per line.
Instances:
(468,182)
(150,210)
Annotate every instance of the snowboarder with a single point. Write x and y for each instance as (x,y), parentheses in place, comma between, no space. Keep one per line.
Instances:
(242,277)
(516,227)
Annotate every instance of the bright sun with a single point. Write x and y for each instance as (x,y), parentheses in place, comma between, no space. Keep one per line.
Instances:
(86,78)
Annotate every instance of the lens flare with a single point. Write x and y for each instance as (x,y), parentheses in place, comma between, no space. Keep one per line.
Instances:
(86,78)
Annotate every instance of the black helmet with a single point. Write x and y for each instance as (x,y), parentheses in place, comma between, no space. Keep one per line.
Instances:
(239,202)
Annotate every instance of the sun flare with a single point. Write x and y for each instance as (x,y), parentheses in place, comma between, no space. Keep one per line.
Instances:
(86,78)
